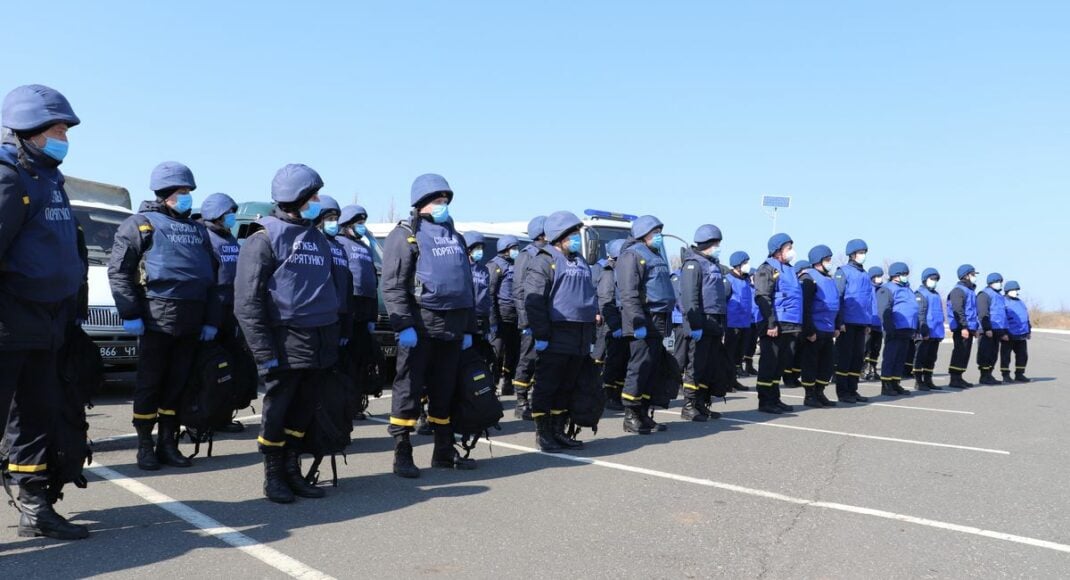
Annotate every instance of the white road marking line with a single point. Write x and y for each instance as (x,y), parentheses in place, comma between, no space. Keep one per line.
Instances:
(859,435)
(210,526)
(125,436)
(970,530)
(911,407)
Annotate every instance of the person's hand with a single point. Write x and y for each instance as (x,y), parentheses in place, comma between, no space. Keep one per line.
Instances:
(640,333)
(135,327)
(696,335)
(868,330)
(812,337)
(965,333)
(541,345)
(343,341)
(208,333)
(843,328)
(525,332)
(273,363)
(836,334)
(494,330)
(772,332)
(407,338)
(466,342)
(618,333)
(371,328)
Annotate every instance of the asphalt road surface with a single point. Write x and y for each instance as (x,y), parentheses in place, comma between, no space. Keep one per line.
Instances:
(944,484)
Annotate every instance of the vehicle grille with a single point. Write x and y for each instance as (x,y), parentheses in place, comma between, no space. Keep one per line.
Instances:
(103,317)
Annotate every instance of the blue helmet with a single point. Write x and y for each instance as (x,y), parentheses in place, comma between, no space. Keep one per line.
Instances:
(1012,285)
(737,258)
(965,270)
(778,241)
(876,272)
(217,205)
(707,233)
(350,214)
(855,246)
(800,266)
(993,278)
(30,108)
(171,175)
(898,269)
(507,242)
(295,183)
(560,223)
(819,253)
(537,227)
(644,225)
(427,185)
(474,239)
(929,273)
(614,247)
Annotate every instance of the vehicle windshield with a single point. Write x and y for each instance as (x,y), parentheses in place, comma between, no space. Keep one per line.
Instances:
(99,226)
(602,235)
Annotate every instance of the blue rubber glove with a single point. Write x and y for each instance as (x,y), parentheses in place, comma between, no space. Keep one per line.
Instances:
(273,363)
(541,345)
(371,328)
(493,329)
(343,341)
(640,333)
(208,333)
(466,342)
(618,333)
(526,332)
(696,335)
(407,338)
(135,326)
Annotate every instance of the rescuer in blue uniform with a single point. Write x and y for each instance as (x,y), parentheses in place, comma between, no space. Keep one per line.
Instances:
(503,322)
(523,379)
(779,297)
(898,307)
(163,275)
(930,330)
(364,302)
(481,286)
(42,269)
(821,326)
(992,315)
(430,298)
(615,365)
(290,296)
(647,300)
(875,338)
(561,307)
(740,316)
(857,304)
(1019,331)
(963,323)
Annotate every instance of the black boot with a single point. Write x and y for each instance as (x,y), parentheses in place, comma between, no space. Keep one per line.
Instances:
(703,405)
(1007,379)
(403,464)
(646,415)
(296,481)
(690,412)
(445,455)
(146,448)
(811,400)
(929,382)
(739,387)
(854,391)
(888,389)
(819,392)
(899,388)
(919,380)
(767,401)
(613,402)
(544,435)
(40,519)
(558,423)
(522,410)
(167,445)
(632,423)
(275,488)
(988,379)
(957,382)
(741,373)
(1019,377)
(750,369)
(505,387)
(422,426)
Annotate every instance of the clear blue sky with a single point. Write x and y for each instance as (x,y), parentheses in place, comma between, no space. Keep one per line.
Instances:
(937,131)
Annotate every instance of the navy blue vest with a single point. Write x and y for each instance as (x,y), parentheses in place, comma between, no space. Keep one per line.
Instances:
(572,295)
(505,291)
(859,304)
(741,303)
(904,307)
(362,266)
(177,264)
(714,300)
(826,301)
(42,264)
(997,309)
(302,290)
(934,315)
(660,297)
(1017,317)
(226,251)
(481,284)
(443,273)
(969,306)
(788,297)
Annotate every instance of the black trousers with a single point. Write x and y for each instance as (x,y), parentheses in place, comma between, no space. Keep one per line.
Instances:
(960,353)
(850,354)
(908,367)
(30,398)
(988,350)
(707,369)
(926,354)
(428,368)
(163,369)
(874,341)
(524,378)
(818,360)
(615,367)
(288,407)
(896,350)
(735,343)
(644,356)
(1020,350)
(777,354)
(558,375)
(506,345)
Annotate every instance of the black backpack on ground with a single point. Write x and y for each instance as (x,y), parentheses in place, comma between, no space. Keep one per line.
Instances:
(668,380)
(245,374)
(329,433)
(363,362)
(208,399)
(588,400)
(476,408)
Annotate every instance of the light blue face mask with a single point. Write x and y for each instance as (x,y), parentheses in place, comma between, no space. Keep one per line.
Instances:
(513,253)
(230,220)
(312,211)
(659,240)
(575,243)
(55,148)
(440,213)
(183,202)
(330,228)
(477,255)
(716,253)
(361,230)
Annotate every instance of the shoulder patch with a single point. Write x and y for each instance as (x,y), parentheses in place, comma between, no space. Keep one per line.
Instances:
(144,228)
(25,200)
(642,262)
(690,266)
(776,274)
